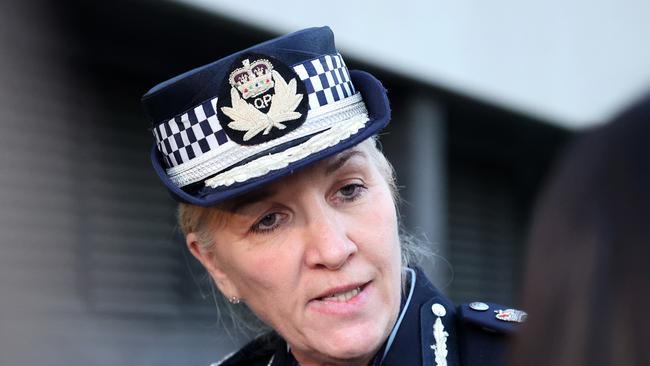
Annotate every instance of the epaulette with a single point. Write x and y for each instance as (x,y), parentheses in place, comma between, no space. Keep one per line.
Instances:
(256,352)
(491,317)
(486,328)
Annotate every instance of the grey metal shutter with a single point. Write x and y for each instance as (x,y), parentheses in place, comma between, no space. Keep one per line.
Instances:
(92,270)
(484,235)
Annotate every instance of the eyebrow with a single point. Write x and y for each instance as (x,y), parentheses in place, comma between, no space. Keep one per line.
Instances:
(254,197)
(251,198)
(341,159)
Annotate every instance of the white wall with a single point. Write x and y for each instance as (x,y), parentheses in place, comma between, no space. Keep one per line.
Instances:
(571,62)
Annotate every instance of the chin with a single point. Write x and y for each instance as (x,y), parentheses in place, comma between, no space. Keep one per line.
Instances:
(354,344)
(358,339)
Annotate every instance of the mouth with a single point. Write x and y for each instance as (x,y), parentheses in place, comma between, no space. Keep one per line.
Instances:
(342,294)
(343,301)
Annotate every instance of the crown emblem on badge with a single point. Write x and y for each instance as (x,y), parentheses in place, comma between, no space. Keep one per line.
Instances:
(253,79)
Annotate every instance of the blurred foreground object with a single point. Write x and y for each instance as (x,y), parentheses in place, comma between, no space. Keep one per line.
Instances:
(586,288)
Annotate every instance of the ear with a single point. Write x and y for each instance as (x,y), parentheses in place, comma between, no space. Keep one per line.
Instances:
(209,260)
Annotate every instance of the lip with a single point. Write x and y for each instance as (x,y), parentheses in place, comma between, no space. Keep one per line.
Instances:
(349,307)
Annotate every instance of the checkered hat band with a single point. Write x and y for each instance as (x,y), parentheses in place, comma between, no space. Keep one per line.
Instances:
(326,78)
(189,135)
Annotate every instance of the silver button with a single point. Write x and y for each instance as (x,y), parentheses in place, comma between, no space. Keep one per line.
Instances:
(478,306)
(438,310)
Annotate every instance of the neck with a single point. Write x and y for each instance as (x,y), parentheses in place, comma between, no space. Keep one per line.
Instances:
(306,361)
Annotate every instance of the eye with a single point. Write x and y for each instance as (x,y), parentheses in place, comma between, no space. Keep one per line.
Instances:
(350,192)
(268,223)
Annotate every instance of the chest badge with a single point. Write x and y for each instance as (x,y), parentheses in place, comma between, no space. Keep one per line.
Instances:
(263,99)
(511,315)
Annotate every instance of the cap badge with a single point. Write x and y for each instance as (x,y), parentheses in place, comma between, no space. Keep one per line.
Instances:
(269,105)
(511,315)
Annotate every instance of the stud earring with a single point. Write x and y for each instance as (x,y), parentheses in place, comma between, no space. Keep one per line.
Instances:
(234,300)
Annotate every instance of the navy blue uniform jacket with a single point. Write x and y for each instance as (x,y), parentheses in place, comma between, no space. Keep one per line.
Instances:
(474,338)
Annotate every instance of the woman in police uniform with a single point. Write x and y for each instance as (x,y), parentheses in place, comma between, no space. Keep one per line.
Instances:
(289,205)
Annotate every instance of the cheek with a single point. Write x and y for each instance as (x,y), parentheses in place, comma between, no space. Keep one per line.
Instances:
(261,281)
(257,275)
(383,211)
(376,227)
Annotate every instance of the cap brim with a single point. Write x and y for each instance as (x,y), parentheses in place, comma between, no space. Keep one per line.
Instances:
(376,101)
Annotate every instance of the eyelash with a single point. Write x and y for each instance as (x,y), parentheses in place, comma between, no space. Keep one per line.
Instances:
(256,227)
(359,189)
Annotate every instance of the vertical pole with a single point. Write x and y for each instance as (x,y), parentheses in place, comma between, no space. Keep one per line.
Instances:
(425,184)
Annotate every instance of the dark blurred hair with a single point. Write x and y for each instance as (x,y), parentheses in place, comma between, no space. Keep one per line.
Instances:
(587,284)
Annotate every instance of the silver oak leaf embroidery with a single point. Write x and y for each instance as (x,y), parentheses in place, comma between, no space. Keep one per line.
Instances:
(440,348)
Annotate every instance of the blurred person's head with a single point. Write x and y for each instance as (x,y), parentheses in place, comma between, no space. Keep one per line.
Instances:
(588,274)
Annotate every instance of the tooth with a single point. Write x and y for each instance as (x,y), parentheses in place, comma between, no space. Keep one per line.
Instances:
(343,296)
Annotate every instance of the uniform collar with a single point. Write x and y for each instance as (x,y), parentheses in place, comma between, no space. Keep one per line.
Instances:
(415,337)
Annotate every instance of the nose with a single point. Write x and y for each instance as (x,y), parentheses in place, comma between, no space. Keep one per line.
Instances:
(327,242)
